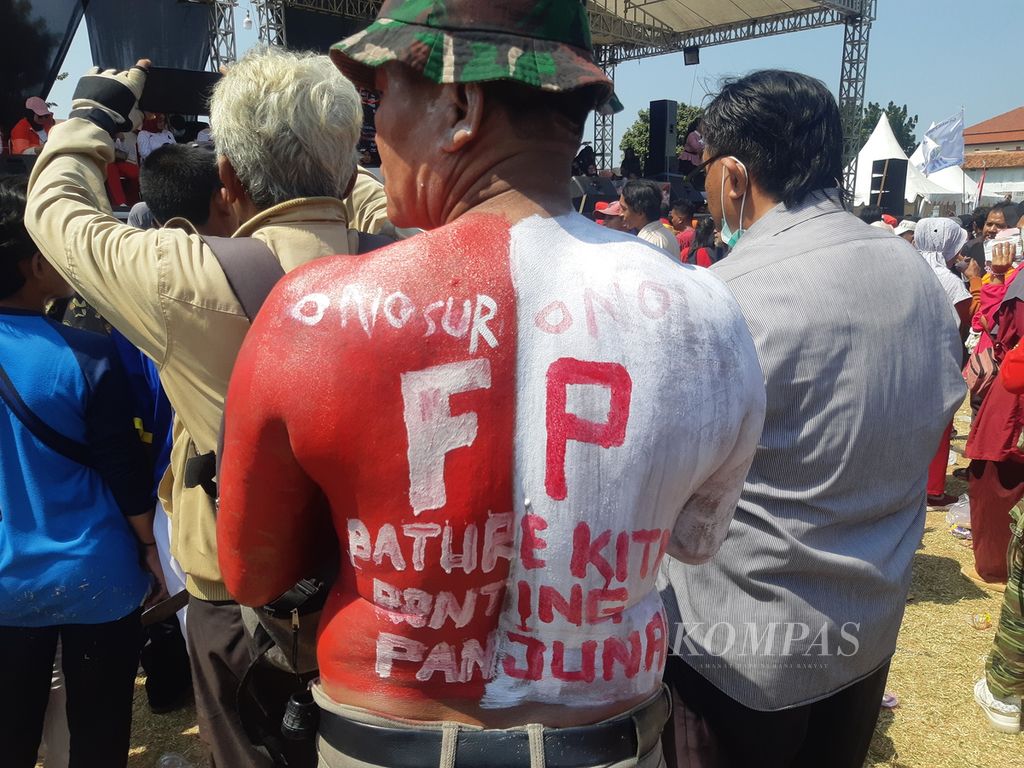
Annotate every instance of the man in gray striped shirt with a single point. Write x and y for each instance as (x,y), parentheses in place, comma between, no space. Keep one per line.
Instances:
(782,642)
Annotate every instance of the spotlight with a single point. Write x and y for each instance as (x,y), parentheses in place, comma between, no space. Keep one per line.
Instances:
(247,21)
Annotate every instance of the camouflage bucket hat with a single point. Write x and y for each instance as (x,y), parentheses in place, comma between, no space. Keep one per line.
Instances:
(544,44)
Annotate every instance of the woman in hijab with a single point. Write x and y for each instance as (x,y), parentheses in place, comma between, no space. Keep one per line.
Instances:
(940,242)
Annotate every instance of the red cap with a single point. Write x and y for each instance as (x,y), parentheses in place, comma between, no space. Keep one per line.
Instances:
(892,221)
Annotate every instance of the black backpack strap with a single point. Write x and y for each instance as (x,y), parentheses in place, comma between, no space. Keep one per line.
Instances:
(251,268)
(44,433)
(369,243)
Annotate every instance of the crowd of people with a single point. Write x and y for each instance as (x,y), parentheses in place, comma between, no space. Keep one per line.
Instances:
(449,474)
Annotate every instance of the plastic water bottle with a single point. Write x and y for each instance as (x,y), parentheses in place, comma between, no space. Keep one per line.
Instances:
(173,760)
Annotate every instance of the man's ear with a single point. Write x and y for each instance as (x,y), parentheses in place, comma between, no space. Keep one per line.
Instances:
(737,179)
(233,189)
(467,110)
(219,203)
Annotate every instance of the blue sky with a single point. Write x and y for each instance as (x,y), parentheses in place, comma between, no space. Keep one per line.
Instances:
(933,55)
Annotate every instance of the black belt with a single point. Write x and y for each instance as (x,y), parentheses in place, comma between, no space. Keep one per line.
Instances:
(611,741)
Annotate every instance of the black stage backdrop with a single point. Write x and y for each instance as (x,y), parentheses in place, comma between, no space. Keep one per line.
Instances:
(34,38)
(171,33)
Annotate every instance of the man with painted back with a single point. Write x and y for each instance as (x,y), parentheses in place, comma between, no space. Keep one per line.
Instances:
(499,426)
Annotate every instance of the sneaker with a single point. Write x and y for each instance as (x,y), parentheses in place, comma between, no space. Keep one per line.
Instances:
(1002,714)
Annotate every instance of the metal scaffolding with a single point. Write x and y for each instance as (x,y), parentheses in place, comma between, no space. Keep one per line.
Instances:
(851,87)
(604,125)
(270,22)
(222,33)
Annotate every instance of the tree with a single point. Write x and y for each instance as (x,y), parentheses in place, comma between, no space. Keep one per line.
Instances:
(903,124)
(638,134)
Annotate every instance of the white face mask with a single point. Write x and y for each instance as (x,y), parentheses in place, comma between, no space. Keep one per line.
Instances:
(730,237)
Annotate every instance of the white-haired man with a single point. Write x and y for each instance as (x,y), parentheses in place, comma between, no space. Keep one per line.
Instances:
(286,127)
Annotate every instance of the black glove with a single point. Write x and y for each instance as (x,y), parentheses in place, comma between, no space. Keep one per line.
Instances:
(110,99)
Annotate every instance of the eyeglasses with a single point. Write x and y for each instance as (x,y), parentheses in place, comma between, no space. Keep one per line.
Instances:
(703,166)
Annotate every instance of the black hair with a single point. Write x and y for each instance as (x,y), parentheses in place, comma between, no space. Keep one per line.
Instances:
(704,237)
(644,197)
(179,180)
(979,215)
(784,126)
(684,208)
(15,243)
(1009,211)
(870,214)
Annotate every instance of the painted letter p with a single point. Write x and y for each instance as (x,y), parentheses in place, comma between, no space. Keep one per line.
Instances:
(563,426)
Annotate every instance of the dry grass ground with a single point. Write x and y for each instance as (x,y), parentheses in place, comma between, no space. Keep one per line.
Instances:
(938,657)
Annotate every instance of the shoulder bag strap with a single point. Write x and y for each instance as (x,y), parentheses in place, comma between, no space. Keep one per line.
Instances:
(251,268)
(44,433)
(369,242)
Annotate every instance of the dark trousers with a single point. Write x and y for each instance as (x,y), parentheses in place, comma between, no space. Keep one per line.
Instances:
(711,730)
(99,662)
(993,488)
(220,655)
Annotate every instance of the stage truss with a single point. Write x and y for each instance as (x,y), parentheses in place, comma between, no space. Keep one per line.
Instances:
(627,30)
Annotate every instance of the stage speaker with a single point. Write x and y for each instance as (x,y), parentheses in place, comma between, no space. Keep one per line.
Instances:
(889,186)
(685,191)
(181,91)
(691,55)
(661,141)
(587,190)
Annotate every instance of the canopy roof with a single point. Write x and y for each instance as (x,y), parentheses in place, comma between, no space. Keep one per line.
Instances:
(882,145)
(638,28)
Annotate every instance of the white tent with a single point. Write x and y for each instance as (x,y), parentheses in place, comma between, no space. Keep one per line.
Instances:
(952,178)
(882,145)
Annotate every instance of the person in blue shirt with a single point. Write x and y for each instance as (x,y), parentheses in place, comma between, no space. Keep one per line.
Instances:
(77,557)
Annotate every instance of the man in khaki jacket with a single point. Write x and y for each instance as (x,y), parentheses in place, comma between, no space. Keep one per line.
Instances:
(285,127)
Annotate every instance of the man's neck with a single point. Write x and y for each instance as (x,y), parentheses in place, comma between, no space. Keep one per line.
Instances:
(23,300)
(516,185)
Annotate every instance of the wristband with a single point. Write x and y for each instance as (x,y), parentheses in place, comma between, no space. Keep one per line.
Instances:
(98,117)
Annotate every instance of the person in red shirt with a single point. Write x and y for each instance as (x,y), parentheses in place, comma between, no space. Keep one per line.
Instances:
(25,138)
(995,477)
(702,249)
(681,219)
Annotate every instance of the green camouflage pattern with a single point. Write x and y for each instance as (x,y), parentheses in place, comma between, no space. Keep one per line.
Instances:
(1005,669)
(544,44)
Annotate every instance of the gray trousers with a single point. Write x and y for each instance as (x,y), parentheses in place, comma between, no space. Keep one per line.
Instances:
(329,757)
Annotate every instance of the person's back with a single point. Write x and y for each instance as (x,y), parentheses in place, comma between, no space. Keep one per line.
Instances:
(74,488)
(471,368)
(829,477)
(57,572)
(785,638)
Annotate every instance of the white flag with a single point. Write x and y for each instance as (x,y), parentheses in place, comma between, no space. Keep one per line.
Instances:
(943,144)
